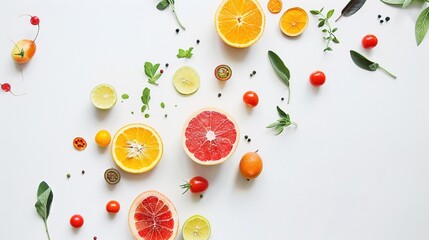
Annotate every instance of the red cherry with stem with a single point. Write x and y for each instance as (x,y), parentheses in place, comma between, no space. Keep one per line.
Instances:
(34,20)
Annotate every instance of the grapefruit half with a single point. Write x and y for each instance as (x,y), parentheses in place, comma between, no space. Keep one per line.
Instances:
(210,136)
(152,216)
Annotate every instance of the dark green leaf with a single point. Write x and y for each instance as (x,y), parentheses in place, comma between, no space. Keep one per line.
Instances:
(361,61)
(335,40)
(43,186)
(351,8)
(321,23)
(334,30)
(327,49)
(324,30)
(282,114)
(162,5)
(314,12)
(422,25)
(279,67)
(44,200)
(321,10)
(330,13)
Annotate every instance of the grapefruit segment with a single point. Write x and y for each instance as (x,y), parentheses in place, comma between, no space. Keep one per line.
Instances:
(152,216)
(210,136)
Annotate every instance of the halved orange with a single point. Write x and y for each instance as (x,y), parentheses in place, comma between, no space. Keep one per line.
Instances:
(294,21)
(275,6)
(137,148)
(240,23)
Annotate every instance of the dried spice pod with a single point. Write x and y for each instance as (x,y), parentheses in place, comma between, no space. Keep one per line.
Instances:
(112,176)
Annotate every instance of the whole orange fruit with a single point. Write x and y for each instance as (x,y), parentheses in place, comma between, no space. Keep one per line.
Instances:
(103,138)
(251,165)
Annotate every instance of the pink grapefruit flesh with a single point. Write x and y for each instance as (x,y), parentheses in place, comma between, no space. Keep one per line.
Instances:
(210,136)
(152,216)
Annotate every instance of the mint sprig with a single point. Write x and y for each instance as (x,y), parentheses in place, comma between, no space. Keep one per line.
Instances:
(185,53)
(145,99)
(281,123)
(151,72)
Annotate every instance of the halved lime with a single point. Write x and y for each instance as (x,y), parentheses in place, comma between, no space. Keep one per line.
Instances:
(196,227)
(186,80)
(103,96)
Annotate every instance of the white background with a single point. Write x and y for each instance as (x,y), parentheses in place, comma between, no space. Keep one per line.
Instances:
(355,168)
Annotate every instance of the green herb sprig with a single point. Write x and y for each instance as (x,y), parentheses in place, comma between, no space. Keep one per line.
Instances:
(422,22)
(151,72)
(185,53)
(324,22)
(281,123)
(163,4)
(43,204)
(367,64)
(145,99)
(281,70)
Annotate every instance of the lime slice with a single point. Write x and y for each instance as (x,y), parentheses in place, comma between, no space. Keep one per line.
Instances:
(103,96)
(196,227)
(186,80)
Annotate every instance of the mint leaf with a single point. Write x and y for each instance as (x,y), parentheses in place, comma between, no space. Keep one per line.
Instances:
(185,53)
(151,72)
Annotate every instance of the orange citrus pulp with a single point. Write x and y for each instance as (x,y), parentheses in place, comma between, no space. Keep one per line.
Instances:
(294,21)
(275,6)
(240,23)
(137,148)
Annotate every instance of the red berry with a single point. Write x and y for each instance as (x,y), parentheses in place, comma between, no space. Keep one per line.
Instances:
(34,20)
(76,221)
(161,71)
(5,87)
(317,78)
(369,41)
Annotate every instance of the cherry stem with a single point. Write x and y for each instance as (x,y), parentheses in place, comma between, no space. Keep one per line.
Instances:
(37,34)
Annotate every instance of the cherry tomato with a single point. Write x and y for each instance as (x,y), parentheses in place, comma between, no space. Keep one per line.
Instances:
(113,206)
(23,51)
(369,41)
(197,184)
(251,98)
(317,78)
(76,221)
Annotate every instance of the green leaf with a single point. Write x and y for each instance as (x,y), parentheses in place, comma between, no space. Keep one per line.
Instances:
(361,61)
(330,13)
(314,12)
(272,125)
(185,53)
(321,23)
(44,200)
(282,114)
(143,108)
(422,25)
(162,105)
(279,67)
(335,40)
(279,129)
(334,30)
(148,69)
(327,49)
(146,96)
(125,96)
(406,3)
(394,2)
(162,5)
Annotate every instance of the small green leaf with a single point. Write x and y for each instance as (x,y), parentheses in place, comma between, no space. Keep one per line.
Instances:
(279,67)
(321,23)
(162,5)
(185,53)
(148,69)
(330,13)
(282,114)
(146,96)
(334,30)
(143,108)
(422,25)
(361,61)
(314,12)
(162,105)
(327,49)
(406,3)
(335,40)
(272,125)
(279,129)
(125,96)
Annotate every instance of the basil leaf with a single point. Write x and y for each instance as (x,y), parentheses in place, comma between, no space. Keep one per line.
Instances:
(361,61)
(395,2)
(279,67)
(406,3)
(422,25)
(162,5)
(148,69)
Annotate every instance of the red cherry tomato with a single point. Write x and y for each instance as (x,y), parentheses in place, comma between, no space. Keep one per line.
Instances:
(317,78)
(197,184)
(76,221)
(113,206)
(251,98)
(369,41)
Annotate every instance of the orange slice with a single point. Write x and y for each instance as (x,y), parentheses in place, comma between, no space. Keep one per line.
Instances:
(137,148)
(275,6)
(240,23)
(294,21)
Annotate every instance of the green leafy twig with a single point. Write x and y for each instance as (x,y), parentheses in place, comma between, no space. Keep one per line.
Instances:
(367,64)
(324,22)
(151,72)
(145,99)
(43,204)
(185,53)
(281,70)
(281,123)
(163,4)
